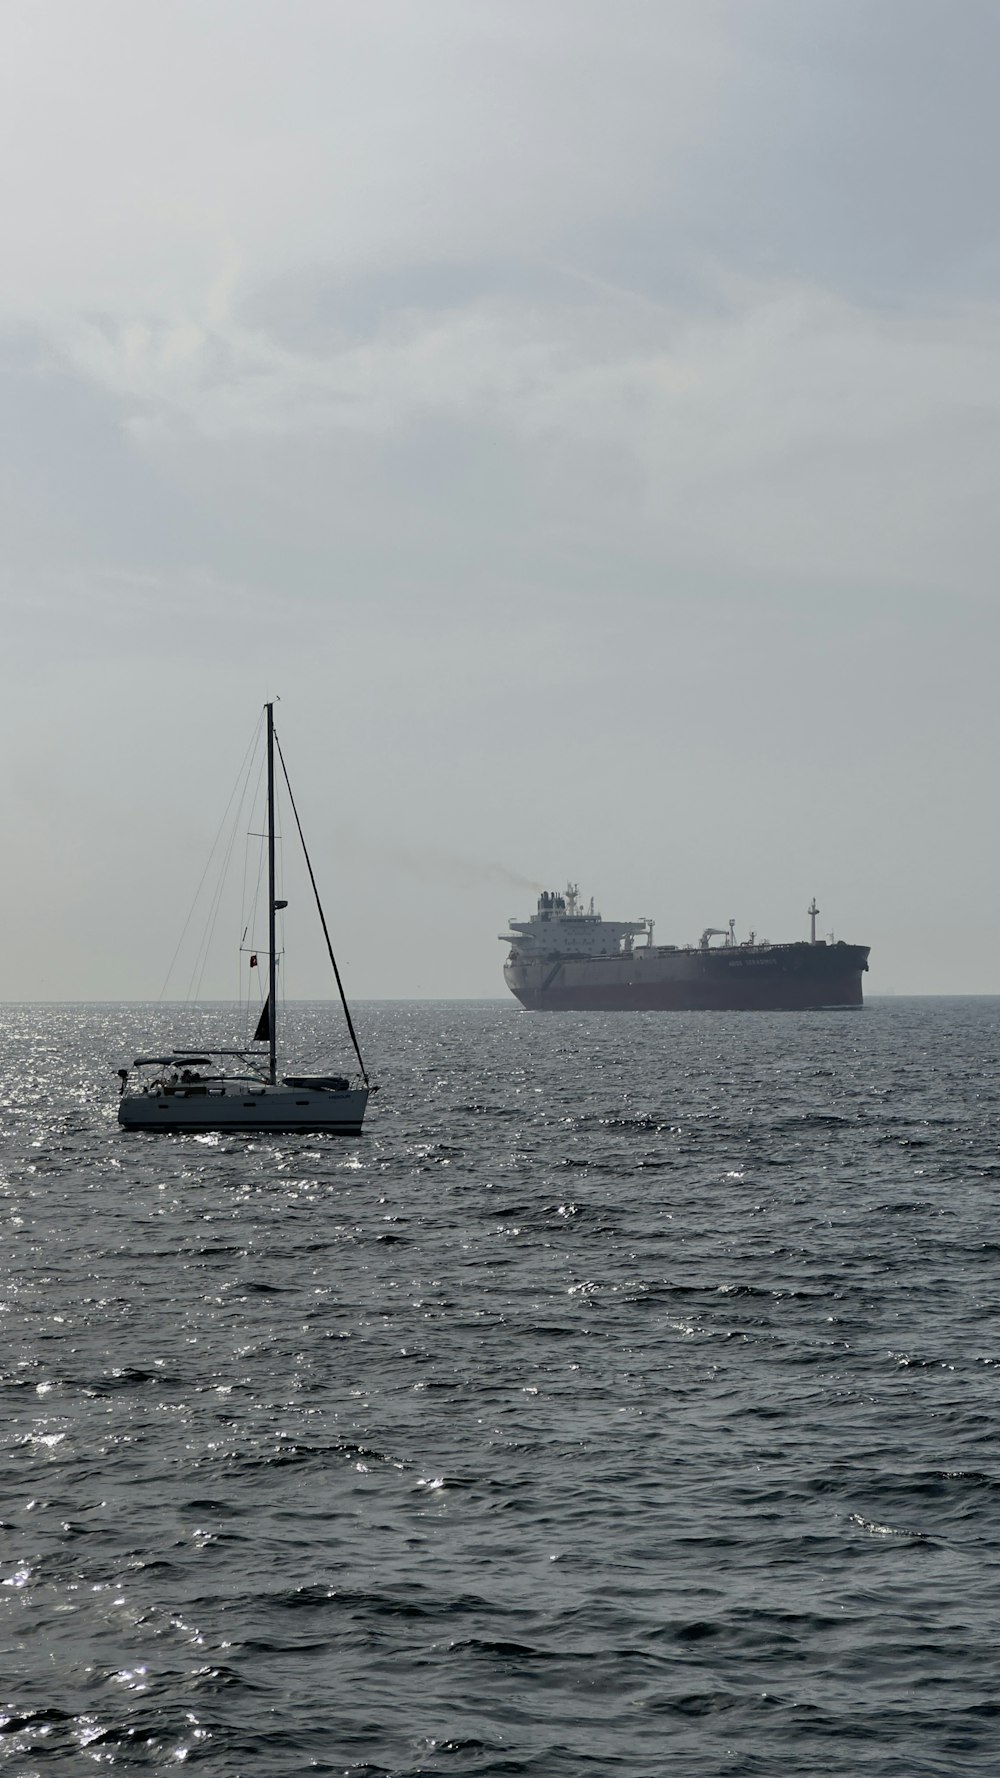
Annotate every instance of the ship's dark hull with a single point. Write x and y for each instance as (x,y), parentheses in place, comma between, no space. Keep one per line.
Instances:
(772,978)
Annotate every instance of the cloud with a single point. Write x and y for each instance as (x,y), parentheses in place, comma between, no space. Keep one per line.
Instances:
(582,415)
(781,428)
(144,147)
(598,302)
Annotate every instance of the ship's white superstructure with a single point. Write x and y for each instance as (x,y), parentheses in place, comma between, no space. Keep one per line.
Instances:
(560,928)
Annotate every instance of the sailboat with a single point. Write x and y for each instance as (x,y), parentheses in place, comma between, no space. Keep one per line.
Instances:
(229,1089)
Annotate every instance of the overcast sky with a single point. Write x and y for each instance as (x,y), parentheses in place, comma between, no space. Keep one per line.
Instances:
(584,415)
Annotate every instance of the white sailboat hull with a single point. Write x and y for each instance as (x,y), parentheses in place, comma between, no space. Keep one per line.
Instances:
(245,1106)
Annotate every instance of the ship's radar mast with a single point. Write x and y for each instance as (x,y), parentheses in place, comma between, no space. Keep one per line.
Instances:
(812,910)
(572,897)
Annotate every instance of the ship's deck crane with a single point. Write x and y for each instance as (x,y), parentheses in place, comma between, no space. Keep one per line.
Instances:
(714,932)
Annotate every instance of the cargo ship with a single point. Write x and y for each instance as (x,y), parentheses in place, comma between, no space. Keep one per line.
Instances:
(569,959)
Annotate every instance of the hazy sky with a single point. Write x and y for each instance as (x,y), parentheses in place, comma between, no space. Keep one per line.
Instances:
(584,415)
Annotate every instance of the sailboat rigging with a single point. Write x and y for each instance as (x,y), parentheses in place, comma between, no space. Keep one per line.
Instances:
(171,1092)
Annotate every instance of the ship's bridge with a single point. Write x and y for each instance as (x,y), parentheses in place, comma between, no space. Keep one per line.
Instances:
(561,928)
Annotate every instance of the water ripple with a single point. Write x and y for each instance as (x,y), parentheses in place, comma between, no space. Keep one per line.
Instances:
(623,1402)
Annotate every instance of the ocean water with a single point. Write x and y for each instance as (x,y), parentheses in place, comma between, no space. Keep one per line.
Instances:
(623,1402)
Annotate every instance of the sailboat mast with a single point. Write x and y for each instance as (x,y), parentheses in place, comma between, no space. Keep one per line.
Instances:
(272,947)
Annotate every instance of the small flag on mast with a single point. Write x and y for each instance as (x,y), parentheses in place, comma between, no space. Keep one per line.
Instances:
(253,960)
